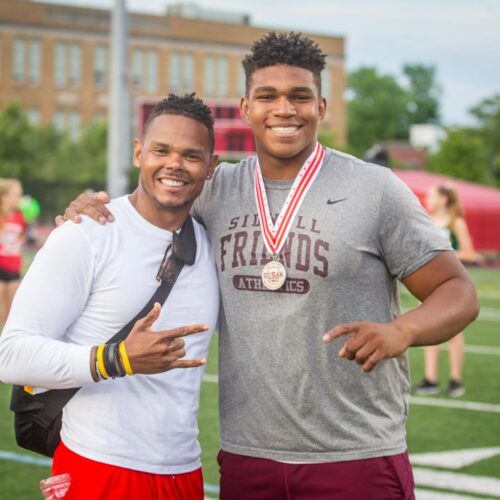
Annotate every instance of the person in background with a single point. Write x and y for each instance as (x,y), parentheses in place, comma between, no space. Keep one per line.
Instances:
(12,231)
(444,207)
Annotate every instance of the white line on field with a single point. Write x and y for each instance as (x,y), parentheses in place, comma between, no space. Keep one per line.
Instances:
(454,459)
(489,314)
(478,349)
(488,294)
(450,403)
(210,377)
(24,459)
(455,481)
(421,494)
(483,294)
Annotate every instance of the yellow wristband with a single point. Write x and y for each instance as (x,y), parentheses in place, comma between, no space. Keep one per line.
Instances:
(125,360)
(100,361)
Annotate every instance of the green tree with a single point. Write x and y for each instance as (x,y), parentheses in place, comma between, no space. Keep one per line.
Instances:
(15,145)
(377,109)
(462,155)
(423,93)
(82,161)
(487,113)
(52,167)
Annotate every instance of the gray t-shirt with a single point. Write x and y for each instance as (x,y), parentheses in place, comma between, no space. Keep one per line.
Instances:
(284,395)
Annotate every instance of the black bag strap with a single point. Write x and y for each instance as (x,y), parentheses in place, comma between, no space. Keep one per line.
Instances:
(183,252)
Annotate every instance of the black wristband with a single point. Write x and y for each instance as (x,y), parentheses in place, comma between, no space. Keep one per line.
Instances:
(109,362)
(118,361)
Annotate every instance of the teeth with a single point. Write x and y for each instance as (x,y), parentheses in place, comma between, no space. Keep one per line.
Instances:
(285,130)
(171,183)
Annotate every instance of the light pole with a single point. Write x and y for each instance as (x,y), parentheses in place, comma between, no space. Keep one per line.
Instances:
(119,105)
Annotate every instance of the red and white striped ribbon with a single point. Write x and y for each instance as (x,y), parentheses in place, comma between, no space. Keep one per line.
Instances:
(275,234)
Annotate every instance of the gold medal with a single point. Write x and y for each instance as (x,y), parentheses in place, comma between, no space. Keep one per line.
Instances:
(274,275)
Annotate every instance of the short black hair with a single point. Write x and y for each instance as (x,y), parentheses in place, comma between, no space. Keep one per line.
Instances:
(292,49)
(187,105)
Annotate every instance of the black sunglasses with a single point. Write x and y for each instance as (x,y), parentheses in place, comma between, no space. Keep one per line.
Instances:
(171,258)
(182,250)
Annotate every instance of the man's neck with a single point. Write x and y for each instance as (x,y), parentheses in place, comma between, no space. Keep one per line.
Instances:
(170,219)
(282,168)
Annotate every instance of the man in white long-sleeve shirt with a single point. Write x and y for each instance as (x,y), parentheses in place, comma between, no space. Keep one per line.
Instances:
(134,436)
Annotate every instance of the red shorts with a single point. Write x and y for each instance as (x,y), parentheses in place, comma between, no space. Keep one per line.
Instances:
(382,478)
(92,480)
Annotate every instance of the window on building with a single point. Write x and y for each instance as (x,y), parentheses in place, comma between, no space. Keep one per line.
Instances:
(75,64)
(216,77)
(187,72)
(33,116)
(100,56)
(137,62)
(60,64)
(222,77)
(152,71)
(35,61)
(74,124)
(174,72)
(181,72)
(18,60)
(59,121)
(326,83)
(209,77)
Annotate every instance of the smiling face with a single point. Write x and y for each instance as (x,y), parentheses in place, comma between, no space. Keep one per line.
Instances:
(284,109)
(174,158)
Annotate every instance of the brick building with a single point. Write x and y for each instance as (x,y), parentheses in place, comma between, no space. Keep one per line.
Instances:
(55,60)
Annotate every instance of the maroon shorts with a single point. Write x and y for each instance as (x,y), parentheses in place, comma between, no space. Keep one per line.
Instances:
(91,480)
(381,478)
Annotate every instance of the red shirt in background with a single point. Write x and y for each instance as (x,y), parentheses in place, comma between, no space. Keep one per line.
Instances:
(11,242)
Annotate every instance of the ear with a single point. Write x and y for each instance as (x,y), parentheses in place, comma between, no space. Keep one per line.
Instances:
(322,107)
(213,164)
(137,152)
(244,108)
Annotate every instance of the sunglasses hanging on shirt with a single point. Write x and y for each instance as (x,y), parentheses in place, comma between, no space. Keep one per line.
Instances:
(182,250)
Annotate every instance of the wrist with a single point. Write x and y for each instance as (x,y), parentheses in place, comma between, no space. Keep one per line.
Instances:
(406,331)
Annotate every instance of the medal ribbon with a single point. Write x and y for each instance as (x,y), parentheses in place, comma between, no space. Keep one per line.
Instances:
(275,235)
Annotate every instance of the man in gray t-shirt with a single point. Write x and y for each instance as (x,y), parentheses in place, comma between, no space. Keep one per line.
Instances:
(299,418)
(359,229)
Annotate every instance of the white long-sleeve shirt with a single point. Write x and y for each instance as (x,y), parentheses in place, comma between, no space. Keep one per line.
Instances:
(84,284)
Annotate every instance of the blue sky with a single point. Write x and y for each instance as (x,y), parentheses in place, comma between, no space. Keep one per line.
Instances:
(460,37)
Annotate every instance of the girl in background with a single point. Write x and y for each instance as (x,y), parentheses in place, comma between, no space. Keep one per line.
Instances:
(445,210)
(12,230)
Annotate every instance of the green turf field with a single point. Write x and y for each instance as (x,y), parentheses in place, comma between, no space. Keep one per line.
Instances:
(433,425)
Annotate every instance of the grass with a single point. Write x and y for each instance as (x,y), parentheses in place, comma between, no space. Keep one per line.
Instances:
(429,428)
